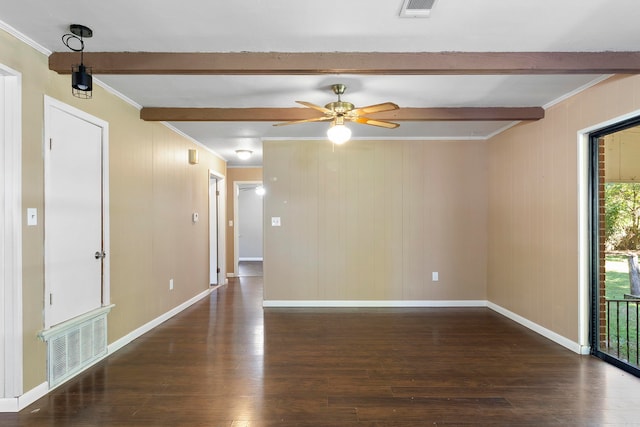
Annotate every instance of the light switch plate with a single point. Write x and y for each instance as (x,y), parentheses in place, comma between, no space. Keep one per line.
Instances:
(434,276)
(32,216)
(275,221)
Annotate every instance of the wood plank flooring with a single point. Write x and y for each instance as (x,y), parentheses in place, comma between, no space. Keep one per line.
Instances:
(227,362)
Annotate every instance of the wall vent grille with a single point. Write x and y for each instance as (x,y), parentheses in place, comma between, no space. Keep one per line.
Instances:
(74,346)
(416,8)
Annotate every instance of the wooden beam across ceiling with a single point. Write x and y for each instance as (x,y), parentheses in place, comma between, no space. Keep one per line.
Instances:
(287,114)
(389,63)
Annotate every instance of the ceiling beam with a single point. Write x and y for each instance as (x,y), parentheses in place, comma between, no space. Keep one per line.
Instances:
(287,114)
(391,63)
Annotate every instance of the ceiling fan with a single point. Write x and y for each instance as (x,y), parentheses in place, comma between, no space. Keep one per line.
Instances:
(339,111)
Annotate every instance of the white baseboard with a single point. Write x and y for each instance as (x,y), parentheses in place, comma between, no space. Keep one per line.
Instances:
(231,275)
(248,258)
(547,333)
(118,344)
(17,404)
(375,303)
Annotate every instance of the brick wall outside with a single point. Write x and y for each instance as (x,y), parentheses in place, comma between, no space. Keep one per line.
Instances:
(602,330)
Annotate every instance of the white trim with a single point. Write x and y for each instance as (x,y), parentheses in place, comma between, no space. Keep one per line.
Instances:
(606,123)
(17,404)
(221,207)
(49,103)
(250,258)
(245,166)
(118,344)
(195,141)
(374,303)
(502,129)
(114,92)
(577,91)
(547,333)
(28,41)
(583,240)
(383,138)
(236,228)
(45,334)
(232,274)
(584,294)
(11,359)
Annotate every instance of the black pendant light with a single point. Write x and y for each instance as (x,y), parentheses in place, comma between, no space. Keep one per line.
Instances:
(81,80)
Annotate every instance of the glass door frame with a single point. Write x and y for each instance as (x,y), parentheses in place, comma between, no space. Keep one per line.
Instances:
(595,274)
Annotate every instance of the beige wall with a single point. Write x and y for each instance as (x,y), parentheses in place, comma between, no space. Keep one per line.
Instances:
(234,175)
(533,206)
(373,219)
(153,191)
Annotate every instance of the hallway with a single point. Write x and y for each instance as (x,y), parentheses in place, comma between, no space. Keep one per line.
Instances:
(226,362)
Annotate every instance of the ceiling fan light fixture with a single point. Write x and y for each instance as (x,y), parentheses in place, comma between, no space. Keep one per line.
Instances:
(244,154)
(338,133)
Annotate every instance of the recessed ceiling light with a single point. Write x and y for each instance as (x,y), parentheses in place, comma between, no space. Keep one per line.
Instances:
(244,154)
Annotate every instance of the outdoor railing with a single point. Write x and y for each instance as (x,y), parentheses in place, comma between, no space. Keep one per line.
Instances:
(622,330)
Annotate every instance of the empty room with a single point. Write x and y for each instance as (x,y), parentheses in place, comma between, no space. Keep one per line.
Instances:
(363,213)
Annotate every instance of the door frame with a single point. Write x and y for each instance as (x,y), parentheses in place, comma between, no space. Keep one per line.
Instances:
(590,259)
(236,225)
(588,264)
(219,222)
(52,103)
(11,344)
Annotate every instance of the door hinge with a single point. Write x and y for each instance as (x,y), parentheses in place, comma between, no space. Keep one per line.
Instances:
(218,270)
(50,299)
(217,192)
(50,143)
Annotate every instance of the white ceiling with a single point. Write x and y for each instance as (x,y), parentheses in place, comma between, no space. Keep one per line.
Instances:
(334,26)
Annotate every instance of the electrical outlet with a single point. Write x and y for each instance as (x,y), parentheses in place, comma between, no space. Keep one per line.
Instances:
(170,284)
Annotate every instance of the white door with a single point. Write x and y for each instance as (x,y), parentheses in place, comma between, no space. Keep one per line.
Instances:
(73,217)
(213,230)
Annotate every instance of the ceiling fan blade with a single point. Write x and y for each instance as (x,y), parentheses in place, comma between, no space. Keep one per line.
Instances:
(385,106)
(372,122)
(315,107)
(295,122)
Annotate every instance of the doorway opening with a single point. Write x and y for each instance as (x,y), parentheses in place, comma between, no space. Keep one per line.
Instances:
(615,243)
(10,234)
(248,230)
(216,229)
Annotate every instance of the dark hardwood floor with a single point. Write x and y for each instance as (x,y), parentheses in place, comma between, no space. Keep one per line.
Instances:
(226,362)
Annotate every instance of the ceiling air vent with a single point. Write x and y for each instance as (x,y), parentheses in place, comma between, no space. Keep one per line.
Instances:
(416,8)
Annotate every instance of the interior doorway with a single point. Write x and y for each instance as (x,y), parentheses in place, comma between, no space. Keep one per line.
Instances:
(248,230)
(216,230)
(10,236)
(615,243)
